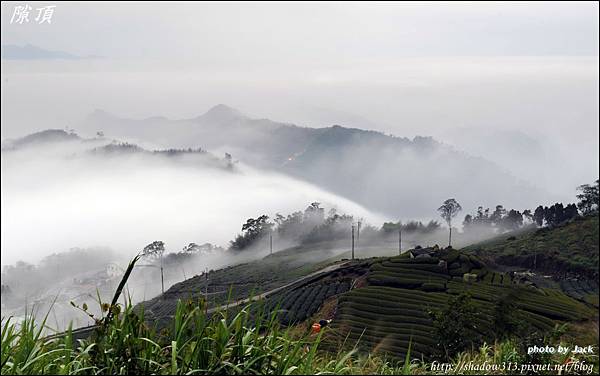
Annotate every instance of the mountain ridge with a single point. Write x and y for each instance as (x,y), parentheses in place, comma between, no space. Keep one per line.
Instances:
(365,166)
(32,52)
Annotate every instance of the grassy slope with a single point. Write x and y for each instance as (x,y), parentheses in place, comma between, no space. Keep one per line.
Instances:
(390,306)
(567,250)
(393,310)
(242,280)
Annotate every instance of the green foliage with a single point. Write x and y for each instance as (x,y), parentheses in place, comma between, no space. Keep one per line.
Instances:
(451,323)
(589,198)
(252,230)
(451,256)
(195,344)
(410,227)
(506,320)
(570,249)
(387,328)
(403,291)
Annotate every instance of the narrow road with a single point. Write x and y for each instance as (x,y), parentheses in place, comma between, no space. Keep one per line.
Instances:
(265,294)
(84,332)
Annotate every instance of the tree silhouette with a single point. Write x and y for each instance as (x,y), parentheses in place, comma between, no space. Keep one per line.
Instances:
(191,248)
(252,230)
(468,222)
(538,216)
(156,250)
(588,198)
(449,210)
(498,215)
(513,220)
(571,211)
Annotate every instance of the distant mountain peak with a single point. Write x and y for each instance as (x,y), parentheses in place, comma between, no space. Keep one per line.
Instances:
(45,136)
(99,111)
(31,52)
(101,115)
(222,112)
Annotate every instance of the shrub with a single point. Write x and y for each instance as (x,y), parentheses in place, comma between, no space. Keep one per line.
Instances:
(451,323)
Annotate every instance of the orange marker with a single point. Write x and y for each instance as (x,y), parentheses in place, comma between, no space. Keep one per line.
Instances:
(316,328)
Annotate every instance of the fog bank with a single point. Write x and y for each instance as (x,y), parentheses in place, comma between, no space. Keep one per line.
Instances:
(52,202)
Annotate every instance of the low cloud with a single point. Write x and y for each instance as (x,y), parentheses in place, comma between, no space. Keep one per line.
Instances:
(52,201)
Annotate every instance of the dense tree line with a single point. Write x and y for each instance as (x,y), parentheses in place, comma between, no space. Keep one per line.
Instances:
(310,226)
(191,250)
(498,220)
(415,227)
(589,198)
(252,230)
(501,220)
(314,225)
(555,214)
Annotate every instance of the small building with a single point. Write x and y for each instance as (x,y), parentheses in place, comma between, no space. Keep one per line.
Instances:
(421,252)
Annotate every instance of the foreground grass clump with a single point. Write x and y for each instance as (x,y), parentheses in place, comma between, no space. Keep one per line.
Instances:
(217,344)
(196,343)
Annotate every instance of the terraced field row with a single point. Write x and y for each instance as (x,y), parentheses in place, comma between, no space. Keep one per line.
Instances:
(395,308)
(556,306)
(477,290)
(549,303)
(389,318)
(386,319)
(498,279)
(299,304)
(581,290)
(427,273)
(431,273)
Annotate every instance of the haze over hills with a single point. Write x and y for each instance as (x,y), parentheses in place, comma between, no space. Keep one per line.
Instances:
(31,52)
(365,166)
(73,191)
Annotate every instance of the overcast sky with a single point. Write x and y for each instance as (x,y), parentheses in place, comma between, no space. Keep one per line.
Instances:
(401,68)
(242,33)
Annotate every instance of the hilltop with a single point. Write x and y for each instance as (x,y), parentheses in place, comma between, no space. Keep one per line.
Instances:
(568,250)
(383,304)
(72,144)
(362,165)
(38,138)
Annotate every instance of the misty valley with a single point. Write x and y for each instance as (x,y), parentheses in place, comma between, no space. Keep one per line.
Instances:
(256,222)
(300,188)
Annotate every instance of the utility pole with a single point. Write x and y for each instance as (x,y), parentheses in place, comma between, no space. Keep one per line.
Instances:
(206,290)
(271,242)
(399,239)
(353,241)
(162,279)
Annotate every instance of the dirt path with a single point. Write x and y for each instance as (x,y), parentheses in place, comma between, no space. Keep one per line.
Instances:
(81,333)
(265,294)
